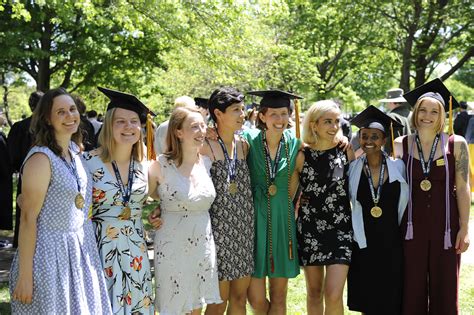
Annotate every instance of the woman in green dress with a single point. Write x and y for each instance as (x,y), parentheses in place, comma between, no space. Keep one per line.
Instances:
(271,161)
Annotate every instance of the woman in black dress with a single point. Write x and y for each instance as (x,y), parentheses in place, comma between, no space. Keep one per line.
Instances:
(379,195)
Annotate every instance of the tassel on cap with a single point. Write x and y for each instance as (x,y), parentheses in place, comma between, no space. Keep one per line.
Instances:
(150,148)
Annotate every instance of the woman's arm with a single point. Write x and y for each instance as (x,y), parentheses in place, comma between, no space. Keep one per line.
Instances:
(463,192)
(295,177)
(35,181)
(154,175)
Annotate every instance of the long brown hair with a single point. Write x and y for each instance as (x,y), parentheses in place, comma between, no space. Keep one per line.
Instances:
(174,151)
(107,143)
(41,126)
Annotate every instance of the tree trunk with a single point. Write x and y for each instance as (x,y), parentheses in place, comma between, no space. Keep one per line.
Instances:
(44,66)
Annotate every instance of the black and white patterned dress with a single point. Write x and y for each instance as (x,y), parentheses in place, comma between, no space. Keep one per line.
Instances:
(232,218)
(324,228)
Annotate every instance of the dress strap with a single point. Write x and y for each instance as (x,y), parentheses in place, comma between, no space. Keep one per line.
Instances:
(450,145)
(212,151)
(405,146)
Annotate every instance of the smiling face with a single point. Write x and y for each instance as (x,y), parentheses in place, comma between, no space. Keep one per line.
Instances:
(126,126)
(371,140)
(64,117)
(327,126)
(275,119)
(233,117)
(429,114)
(193,131)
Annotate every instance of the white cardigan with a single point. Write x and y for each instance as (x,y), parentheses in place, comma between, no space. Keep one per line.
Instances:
(396,172)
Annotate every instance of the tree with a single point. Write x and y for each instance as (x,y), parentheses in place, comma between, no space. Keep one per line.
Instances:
(76,43)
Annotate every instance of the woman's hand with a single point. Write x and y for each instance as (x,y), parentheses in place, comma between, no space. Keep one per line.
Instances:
(462,240)
(23,292)
(155,218)
(211,133)
(344,143)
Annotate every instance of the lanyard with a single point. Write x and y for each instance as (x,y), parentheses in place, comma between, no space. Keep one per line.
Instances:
(126,192)
(375,197)
(426,167)
(231,164)
(272,171)
(72,169)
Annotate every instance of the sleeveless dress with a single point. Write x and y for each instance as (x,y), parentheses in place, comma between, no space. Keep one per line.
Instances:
(232,221)
(121,243)
(324,219)
(67,274)
(431,273)
(185,254)
(375,278)
(281,212)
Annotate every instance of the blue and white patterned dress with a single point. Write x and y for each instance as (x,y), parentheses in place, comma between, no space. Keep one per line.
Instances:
(67,273)
(121,242)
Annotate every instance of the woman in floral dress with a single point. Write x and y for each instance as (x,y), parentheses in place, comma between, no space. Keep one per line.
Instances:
(324,228)
(120,188)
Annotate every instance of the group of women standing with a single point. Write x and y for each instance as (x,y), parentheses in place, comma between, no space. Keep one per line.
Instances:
(227,217)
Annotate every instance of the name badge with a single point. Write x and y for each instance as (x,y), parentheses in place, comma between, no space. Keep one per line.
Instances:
(440,162)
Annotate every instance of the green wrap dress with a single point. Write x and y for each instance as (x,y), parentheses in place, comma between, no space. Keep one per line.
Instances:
(280,210)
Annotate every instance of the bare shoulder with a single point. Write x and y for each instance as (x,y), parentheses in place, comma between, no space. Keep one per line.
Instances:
(154,171)
(37,162)
(460,145)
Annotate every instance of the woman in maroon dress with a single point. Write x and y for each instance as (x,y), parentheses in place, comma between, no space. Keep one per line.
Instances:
(435,226)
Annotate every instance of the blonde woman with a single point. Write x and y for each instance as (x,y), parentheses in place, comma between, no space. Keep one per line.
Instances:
(324,230)
(435,225)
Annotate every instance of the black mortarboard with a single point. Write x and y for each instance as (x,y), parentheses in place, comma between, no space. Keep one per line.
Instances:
(373,118)
(126,101)
(435,89)
(275,98)
(202,102)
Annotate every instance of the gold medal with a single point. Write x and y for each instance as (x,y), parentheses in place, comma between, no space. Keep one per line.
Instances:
(232,188)
(125,214)
(272,190)
(376,211)
(79,201)
(425,185)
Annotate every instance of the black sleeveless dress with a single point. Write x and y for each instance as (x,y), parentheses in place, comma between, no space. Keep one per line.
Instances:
(375,278)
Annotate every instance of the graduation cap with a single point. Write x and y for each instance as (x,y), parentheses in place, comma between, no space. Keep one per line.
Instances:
(126,101)
(437,90)
(434,89)
(275,98)
(374,118)
(131,102)
(202,102)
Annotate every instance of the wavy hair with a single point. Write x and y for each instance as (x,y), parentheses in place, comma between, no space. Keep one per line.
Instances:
(313,114)
(41,126)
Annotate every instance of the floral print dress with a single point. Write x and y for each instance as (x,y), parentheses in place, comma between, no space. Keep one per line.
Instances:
(324,227)
(120,240)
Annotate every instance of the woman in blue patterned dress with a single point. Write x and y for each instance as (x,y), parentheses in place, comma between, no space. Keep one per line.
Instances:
(57,268)
(120,188)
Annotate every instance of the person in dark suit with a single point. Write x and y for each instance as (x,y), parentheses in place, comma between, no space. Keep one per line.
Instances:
(6,193)
(462,120)
(89,139)
(19,143)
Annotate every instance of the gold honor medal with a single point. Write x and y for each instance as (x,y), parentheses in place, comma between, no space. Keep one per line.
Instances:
(272,190)
(376,211)
(425,185)
(125,214)
(232,188)
(79,201)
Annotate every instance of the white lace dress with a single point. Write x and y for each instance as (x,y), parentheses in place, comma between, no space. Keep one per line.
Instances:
(185,255)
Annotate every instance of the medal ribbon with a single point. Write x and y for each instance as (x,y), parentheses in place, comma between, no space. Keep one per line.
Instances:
(72,169)
(426,167)
(272,171)
(375,198)
(231,163)
(126,192)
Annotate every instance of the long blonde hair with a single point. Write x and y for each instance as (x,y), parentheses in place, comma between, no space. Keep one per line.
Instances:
(107,143)
(312,115)
(173,150)
(442,114)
